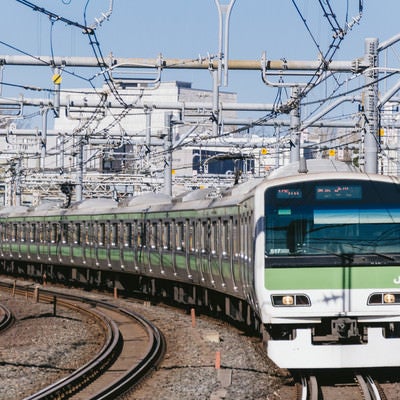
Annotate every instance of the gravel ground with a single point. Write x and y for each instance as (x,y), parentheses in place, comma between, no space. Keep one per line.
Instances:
(40,349)
(189,371)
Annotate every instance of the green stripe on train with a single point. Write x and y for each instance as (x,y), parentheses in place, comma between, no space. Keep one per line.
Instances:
(359,277)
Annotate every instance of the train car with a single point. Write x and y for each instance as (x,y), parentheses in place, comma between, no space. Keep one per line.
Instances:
(314,256)
(196,249)
(327,261)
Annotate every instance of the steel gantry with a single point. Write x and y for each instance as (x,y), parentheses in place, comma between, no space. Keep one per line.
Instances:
(367,65)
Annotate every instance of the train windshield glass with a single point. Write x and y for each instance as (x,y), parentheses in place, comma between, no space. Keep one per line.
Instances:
(333,218)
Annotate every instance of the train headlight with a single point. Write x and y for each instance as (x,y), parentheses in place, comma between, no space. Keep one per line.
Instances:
(290,300)
(389,298)
(287,300)
(384,298)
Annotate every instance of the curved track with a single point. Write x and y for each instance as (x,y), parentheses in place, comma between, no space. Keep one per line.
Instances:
(132,349)
(6,317)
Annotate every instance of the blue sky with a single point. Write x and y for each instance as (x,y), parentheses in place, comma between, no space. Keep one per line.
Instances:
(188,29)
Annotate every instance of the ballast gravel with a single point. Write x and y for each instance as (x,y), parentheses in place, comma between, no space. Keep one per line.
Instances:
(205,358)
(41,348)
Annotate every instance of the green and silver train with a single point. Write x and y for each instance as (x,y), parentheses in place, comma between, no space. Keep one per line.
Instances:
(313,256)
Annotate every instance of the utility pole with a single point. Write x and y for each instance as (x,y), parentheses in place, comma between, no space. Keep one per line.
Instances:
(224,12)
(295,126)
(370,106)
(168,155)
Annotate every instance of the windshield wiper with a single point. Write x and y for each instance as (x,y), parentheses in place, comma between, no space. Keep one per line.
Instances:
(386,256)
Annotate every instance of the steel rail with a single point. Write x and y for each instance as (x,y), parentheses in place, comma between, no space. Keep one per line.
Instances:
(88,372)
(369,388)
(111,349)
(7,318)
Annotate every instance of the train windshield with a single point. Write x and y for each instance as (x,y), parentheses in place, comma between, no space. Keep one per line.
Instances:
(321,221)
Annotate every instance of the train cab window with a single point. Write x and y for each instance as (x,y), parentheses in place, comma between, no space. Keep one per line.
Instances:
(337,219)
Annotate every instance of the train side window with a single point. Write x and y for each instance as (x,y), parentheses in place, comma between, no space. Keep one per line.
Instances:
(235,237)
(198,236)
(6,231)
(32,232)
(77,233)
(53,233)
(14,232)
(244,234)
(107,236)
(23,233)
(225,241)
(42,232)
(140,234)
(89,232)
(47,232)
(214,237)
(191,231)
(179,236)
(114,234)
(166,236)
(204,236)
(64,232)
(127,235)
(101,234)
(148,234)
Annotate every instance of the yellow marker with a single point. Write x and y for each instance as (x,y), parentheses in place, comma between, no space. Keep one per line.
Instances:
(332,152)
(381,132)
(264,151)
(56,79)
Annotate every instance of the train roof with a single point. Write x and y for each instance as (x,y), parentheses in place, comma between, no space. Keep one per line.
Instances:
(312,166)
(12,210)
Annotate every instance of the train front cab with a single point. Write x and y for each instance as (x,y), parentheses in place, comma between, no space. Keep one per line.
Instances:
(328,272)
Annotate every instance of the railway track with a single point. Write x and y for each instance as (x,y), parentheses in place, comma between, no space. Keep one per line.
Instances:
(132,348)
(6,317)
(351,386)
